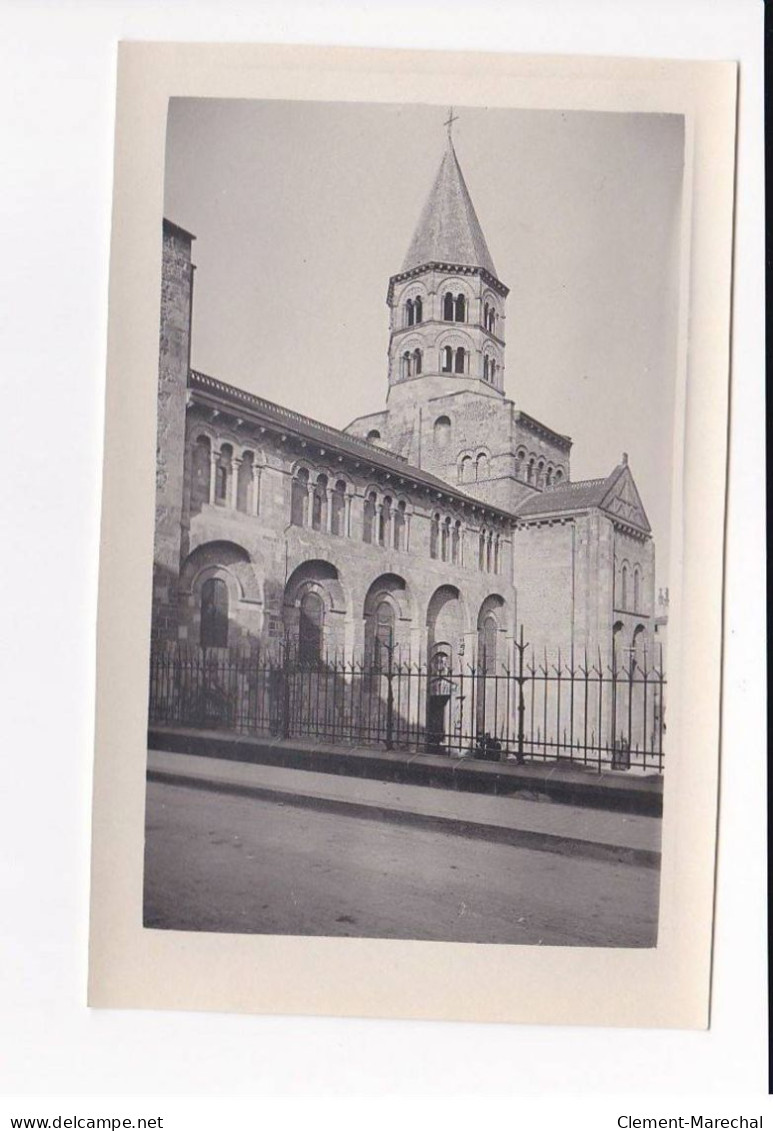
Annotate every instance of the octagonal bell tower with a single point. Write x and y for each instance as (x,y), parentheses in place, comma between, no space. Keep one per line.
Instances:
(446,304)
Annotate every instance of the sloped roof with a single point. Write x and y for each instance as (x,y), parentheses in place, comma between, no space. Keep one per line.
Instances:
(616,494)
(218,394)
(448,230)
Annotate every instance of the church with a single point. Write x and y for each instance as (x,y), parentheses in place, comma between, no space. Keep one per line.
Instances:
(442,529)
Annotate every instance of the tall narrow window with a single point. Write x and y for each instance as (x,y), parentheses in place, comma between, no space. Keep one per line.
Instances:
(496,554)
(460,311)
(384,636)
(310,625)
(492,370)
(244,483)
(481,467)
(624,587)
(540,473)
(636,589)
(549,477)
(448,359)
(409,312)
(485,315)
(487,642)
(434,535)
(338,509)
(223,474)
(406,365)
(417,361)
(456,541)
(465,469)
(530,471)
(482,550)
(559,475)
(448,307)
(201,470)
(319,504)
(368,517)
(384,521)
(445,538)
(459,360)
(418,309)
(485,367)
(300,497)
(489,541)
(399,523)
(214,613)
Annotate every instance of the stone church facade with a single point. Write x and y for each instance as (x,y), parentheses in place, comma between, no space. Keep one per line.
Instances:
(441,524)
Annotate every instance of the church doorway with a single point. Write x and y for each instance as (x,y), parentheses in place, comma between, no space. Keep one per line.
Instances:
(439,695)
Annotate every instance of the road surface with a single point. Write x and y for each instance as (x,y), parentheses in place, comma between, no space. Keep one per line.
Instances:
(216,862)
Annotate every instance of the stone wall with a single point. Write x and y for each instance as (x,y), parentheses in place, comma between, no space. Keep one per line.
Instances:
(174,351)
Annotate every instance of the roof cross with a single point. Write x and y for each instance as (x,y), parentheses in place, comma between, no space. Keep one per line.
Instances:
(449,122)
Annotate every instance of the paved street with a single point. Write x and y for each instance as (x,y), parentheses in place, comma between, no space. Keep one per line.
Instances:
(216,862)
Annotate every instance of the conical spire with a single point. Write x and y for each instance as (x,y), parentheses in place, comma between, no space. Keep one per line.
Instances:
(448,230)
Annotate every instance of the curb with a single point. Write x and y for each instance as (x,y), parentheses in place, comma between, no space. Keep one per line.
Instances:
(571,786)
(496,834)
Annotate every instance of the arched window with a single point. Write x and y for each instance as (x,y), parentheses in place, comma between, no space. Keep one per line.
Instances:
(223,474)
(310,626)
(496,554)
(300,497)
(493,370)
(549,477)
(540,472)
(448,307)
(319,504)
(485,367)
(368,517)
(489,545)
(417,306)
(481,466)
(384,520)
(624,587)
(487,643)
(417,361)
(559,475)
(244,483)
(456,542)
(434,535)
(405,367)
(530,471)
(448,359)
(482,550)
(338,509)
(465,469)
(409,312)
(459,359)
(636,589)
(201,470)
(384,635)
(445,539)
(460,309)
(214,613)
(373,435)
(399,524)
(441,431)
(485,315)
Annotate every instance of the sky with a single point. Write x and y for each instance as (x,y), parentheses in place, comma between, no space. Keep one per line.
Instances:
(302,211)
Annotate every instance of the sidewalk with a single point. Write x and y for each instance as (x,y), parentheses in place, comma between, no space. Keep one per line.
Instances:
(544,825)
(569,783)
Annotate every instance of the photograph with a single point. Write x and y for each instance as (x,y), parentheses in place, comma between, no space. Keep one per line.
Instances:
(418,404)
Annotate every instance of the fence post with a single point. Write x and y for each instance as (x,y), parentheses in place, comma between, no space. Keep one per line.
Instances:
(390,704)
(520,680)
(285,669)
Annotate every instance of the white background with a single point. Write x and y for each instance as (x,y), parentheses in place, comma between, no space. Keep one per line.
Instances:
(57,75)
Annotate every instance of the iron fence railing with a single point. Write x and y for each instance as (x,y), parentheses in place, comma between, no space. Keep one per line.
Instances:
(604,714)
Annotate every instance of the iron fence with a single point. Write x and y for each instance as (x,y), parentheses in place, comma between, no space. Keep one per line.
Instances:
(587,710)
